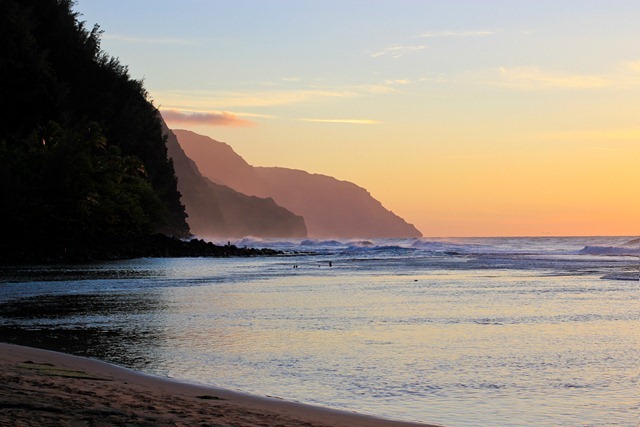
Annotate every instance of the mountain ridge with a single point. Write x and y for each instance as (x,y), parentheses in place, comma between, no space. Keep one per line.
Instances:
(329,206)
(215,210)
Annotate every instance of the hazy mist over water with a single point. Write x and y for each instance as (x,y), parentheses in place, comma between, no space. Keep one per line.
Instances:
(462,332)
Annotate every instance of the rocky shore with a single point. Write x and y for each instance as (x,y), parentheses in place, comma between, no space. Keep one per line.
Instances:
(152,246)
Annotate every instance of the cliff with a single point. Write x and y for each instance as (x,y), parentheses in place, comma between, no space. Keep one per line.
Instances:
(215,210)
(330,207)
(83,162)
(333,208)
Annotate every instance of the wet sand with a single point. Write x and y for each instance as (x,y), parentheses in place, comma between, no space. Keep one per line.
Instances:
(40,387)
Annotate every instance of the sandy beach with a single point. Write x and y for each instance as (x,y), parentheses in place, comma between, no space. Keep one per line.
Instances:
(40,387)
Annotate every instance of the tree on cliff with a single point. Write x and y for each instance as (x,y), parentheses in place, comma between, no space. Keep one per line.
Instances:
(83,160)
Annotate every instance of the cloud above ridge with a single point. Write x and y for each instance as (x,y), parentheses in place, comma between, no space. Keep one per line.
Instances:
(206,119)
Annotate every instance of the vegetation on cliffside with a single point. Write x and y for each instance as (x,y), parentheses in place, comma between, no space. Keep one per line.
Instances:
(83,160)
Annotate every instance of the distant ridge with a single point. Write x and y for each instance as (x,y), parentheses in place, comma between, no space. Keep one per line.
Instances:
(215,210)
(330,207)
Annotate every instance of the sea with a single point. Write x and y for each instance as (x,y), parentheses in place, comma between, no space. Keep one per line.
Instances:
(460,332)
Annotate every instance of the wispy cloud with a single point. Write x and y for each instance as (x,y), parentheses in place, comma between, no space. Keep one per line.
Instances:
(249,98)
(290,79)
(344,121)
(533,78)
(435,34)
(398,51)
(206,119)
(624,75)
(633,66)
(218,100)
(395,82)
(381,89)
(149,40)
(436,78)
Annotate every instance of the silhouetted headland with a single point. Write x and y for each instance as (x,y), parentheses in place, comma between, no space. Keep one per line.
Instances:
(331,208)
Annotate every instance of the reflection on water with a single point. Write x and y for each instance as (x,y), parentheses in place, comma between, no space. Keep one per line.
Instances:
(488,340)
(70,272)
(80,305)
(90,325)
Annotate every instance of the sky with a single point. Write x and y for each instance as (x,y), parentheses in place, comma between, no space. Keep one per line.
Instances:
(466,118)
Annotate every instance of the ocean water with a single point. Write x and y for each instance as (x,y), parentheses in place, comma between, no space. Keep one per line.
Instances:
(460,332)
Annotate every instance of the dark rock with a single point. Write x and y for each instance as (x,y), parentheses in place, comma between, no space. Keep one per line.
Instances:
(148,246)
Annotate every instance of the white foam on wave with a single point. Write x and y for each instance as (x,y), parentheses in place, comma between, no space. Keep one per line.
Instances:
(610,251)
(595,246)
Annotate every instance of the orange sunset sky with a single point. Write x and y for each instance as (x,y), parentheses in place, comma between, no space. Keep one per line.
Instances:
(466,118)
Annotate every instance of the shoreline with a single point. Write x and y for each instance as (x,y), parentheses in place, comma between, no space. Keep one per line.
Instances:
(143,246)
(39,387)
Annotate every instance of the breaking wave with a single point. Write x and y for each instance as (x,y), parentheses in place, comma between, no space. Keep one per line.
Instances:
(610,250)
(505,246)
